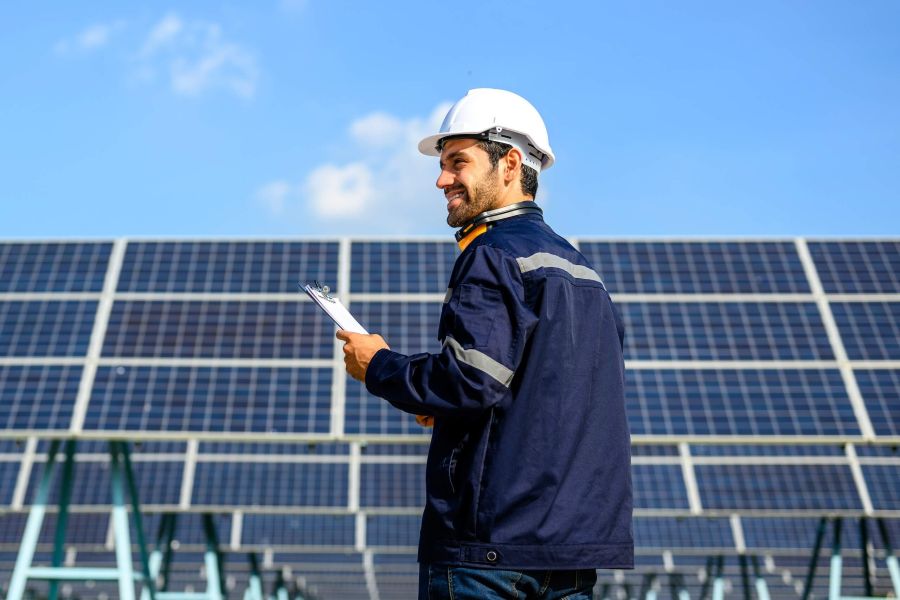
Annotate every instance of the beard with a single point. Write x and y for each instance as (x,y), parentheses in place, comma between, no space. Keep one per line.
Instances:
(480,198)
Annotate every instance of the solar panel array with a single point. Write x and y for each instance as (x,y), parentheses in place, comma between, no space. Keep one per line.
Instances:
(763,391)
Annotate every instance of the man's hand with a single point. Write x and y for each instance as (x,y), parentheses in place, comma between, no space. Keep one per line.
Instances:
(359,350)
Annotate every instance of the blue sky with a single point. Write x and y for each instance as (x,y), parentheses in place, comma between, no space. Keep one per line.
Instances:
(300,117)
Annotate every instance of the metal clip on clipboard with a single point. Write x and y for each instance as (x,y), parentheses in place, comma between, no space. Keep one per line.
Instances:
(321,295)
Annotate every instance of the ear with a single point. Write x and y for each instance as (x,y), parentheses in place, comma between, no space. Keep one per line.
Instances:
(513,162)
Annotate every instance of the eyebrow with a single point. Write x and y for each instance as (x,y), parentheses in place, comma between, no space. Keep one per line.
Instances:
(450,157)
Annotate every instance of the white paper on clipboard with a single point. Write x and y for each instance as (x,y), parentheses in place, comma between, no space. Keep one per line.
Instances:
(334,309)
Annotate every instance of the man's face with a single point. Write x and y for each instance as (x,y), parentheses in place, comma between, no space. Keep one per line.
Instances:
(468,180)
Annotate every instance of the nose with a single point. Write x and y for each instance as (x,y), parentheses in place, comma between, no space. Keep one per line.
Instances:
(444,180)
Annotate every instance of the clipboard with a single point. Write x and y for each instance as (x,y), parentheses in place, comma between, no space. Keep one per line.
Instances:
(332,307)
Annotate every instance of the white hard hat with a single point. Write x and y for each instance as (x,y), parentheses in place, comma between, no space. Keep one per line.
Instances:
(499,116)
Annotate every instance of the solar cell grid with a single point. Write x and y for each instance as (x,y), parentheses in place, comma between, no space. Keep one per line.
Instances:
(777,487)
(669,533)
(401,267)
(880,390)
(9,471)
(738,402)
(282,449)
(37,396)
(870,330)
(766,450)
(158,483)
(852,267)
(298,530)
(697,267)
(210,329)
(883,482)
(392,485)
(653,450)
(213,399)
(188,528)
(270,484)
(724,331)
(227,267)
(392,530)
(658,486)
(46,328)
(53,267)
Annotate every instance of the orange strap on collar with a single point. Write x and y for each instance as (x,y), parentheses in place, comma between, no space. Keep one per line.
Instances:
(464,243)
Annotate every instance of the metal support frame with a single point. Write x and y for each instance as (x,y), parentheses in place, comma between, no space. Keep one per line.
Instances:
(161,560)
(762,589)
(120,476)
(836,562)
(718,592)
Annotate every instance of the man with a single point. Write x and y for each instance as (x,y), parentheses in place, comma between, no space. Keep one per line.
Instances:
(528,485)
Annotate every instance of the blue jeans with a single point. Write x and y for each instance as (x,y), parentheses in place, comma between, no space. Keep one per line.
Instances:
(441,582)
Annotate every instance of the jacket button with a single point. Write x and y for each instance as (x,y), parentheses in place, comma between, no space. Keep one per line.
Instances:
(491,556)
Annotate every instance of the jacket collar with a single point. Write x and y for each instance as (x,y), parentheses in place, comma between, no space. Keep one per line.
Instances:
(483,221)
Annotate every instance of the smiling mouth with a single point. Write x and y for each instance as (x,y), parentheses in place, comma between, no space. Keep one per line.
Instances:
(454,198)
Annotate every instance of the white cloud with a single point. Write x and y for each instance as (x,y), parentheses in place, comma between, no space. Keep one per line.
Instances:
(388,188)
(336,191)
(198,58)
(163,33)
(90,38)
(193,56)
(275,195)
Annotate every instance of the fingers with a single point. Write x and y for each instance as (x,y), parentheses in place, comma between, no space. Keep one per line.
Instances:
(344,335)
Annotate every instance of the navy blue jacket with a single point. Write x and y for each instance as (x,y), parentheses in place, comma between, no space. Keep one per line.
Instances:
(530,459)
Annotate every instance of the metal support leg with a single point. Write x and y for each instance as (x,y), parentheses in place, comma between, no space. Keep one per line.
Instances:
(891,558)
(834,581)
(62,517)
(762,589)
(709,577)
(648,591)
(719,583)
(254,589)
(120,527)
(149,583)
(32,528)
(814,561)
(864,549)
(214,581)
(745,576)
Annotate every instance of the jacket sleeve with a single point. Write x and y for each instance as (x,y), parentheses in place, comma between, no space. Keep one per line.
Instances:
(485,327)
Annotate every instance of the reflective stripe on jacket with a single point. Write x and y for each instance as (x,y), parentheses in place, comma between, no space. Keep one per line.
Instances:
(529,464)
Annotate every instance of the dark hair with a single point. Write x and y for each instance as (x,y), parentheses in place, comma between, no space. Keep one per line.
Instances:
(496,151)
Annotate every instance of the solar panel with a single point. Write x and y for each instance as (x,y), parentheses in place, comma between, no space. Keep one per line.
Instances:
(209,329)
(298,530)
(37,397)
(227,267)
(777,487)
(158,483)
(689,532)
(392,485)
(883,482)
(870,330)
(282,484)
(53,267)
(229,367)
(641,267)
(738,402)
(658,486)
(392,530)
(8,473)
(854,267)
(724,331)
(401,267)
(880,390)
(210,399)
(46,328)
